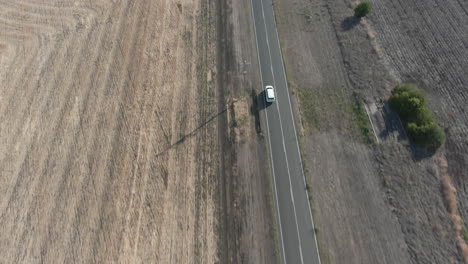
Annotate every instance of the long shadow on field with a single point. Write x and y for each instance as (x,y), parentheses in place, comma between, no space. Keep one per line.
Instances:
(350,23)
(192,133)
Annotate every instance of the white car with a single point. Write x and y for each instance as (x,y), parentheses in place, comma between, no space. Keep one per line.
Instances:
(269,94)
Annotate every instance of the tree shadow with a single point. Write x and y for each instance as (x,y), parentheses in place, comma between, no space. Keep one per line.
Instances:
(420,153)
(261,102)
(393,124)
(349,23)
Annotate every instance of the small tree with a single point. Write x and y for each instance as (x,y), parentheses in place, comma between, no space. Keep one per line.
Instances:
(408,101)
(411,104)
(363,9)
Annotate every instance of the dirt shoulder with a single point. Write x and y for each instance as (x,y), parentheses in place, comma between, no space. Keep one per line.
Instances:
(380,202)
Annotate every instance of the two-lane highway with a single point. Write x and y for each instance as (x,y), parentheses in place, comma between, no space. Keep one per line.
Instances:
(298,241)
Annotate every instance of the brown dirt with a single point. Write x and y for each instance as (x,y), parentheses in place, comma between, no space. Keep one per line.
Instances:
(450,195)
(380,203)
(113,144)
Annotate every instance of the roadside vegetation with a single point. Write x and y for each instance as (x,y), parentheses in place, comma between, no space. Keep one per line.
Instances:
(361,120)
(324,108)
(421,125)
(327,108)
(363,9)
(309,113)
(465,234)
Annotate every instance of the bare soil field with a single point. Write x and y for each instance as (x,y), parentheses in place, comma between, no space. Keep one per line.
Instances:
(386,202)
(123,137)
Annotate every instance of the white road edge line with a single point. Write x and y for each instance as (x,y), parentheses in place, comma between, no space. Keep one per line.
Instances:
(295,132)
(269,140)
(282,136)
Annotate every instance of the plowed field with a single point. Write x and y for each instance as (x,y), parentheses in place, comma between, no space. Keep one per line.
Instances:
(125,134)
(109,150)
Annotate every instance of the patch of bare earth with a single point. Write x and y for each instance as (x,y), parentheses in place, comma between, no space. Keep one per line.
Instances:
(390,202)
(113,136)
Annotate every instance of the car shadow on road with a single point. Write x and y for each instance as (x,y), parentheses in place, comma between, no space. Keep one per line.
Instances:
(261,102)
(349,23)
(258,104)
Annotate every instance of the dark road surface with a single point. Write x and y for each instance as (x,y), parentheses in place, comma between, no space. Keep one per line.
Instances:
(298,241)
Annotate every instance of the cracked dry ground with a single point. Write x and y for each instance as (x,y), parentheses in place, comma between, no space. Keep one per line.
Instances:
(109,142)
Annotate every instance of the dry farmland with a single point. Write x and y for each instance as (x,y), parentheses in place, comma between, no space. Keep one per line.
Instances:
(113,135)
(386,202)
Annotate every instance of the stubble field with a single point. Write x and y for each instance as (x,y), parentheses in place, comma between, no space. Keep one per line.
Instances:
(126,134)
(106,154)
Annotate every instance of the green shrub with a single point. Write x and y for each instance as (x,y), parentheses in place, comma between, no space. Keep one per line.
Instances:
(362,9)
(411,104)
(407,100)
(362,122)
(465,234)
(429,135)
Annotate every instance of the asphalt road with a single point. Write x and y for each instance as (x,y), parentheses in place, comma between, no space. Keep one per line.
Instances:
(298,241)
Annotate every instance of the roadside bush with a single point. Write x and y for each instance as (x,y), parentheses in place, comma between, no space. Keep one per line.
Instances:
(408,100)
(411,104)
(362,9)
(429,135)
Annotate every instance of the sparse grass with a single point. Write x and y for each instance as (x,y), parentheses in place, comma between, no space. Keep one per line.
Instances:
(281,17)
(361,120)
(386,180)
(324,108)
(465,234)
(308,111)
(324,255)
(289,73)
(309,191)
(306,12)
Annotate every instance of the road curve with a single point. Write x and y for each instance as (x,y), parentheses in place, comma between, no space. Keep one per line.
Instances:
(298,240)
